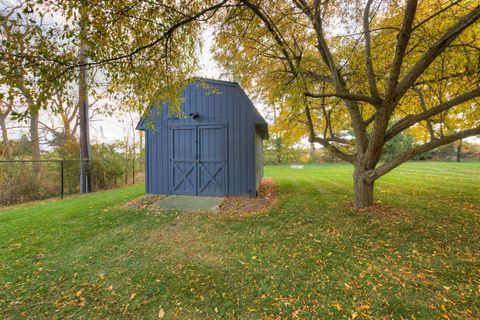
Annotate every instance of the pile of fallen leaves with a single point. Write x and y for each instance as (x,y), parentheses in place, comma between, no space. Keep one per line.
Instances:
(144,202)
(244,205)
(380,212)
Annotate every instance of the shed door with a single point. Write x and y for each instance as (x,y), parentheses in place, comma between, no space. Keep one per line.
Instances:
(211,160)
(198,160)
(183,164)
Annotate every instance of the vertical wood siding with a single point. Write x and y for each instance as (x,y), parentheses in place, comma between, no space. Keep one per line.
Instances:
(230,107)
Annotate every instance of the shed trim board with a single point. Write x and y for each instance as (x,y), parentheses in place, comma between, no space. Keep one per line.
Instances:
(214,148)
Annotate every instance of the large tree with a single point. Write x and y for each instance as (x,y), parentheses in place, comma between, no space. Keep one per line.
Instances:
(6,108)
(393,66)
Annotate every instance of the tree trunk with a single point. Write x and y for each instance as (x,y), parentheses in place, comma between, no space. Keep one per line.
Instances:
(363,189)
(6,143)
(133,158)
(35,141)
(459,151)
(140,135)
(278,151)
(312,152)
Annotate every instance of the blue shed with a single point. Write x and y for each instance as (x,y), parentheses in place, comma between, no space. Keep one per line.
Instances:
(213,149)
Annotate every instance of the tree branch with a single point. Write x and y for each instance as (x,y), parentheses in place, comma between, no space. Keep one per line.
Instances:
(164,36)
(400,50)
(340,84)
(340,154)
(436,14)
(435,50)
(447,77)
(405,156)
(424,108)
(372,83)
(324,142)
(410,120)
(369,120)
(316,76)
(346,95)
(274,32)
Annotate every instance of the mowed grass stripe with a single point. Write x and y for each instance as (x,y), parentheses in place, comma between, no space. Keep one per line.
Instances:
(311,256)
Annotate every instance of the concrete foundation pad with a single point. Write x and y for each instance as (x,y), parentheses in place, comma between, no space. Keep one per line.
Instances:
(189,203)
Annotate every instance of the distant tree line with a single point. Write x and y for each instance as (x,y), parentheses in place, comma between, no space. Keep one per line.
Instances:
(276,151)
(113,165)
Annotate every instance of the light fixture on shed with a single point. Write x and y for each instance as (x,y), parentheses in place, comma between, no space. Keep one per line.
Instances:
(195,115)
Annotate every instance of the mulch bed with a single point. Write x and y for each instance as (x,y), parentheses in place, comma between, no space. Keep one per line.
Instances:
(241,206)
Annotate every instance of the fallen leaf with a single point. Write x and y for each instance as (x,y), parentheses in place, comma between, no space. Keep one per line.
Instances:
(161,313)
(337,306)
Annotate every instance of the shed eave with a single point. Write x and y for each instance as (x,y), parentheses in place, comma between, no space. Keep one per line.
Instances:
(262,130)
(141,124)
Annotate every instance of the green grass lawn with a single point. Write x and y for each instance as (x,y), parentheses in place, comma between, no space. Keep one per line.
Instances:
(311,256)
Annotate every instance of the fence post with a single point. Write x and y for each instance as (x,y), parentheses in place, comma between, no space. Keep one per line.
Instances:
(61,178)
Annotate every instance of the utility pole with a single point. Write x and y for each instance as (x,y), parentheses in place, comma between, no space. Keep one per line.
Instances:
(85,165)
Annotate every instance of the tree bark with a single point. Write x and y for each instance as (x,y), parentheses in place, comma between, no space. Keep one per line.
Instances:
(459,151)
(140,134)
(6,143)
(35,141)
(363,189)
(312,151)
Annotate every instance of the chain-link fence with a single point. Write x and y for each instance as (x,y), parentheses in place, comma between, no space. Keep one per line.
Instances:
(27,180)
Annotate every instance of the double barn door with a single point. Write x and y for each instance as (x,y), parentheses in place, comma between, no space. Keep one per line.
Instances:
(198,160)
